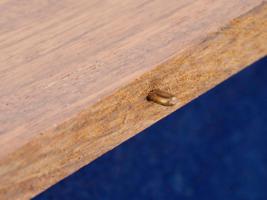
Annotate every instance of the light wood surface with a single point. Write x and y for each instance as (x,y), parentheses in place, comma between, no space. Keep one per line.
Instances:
(75,74)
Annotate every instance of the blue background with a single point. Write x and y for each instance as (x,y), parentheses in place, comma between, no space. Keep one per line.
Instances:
(213,148)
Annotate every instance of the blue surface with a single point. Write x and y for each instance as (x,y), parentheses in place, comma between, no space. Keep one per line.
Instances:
(213,148)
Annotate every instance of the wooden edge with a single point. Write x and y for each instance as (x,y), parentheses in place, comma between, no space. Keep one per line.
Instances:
(53,155)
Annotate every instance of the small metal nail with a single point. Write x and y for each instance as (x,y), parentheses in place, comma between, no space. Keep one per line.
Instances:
(162,98)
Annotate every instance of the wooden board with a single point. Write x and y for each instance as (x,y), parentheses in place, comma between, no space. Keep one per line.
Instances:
(75,75)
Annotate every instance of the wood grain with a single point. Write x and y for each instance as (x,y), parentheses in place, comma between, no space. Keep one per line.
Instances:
(74,75)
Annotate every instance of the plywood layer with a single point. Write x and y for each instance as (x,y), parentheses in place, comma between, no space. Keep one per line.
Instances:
(74,75)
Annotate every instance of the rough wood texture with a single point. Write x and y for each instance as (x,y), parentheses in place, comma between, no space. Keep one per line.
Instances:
(74,76)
